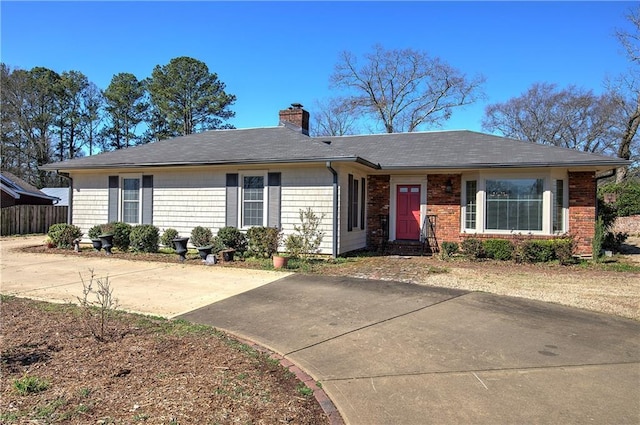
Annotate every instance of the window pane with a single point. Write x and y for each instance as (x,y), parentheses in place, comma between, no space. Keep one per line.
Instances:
(130,200)
(514,204)
(253,201)
(470,210)
(354,204)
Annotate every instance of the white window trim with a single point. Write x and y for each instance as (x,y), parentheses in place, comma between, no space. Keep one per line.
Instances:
(121,197)
(265,196)
(393,207)
(547,201)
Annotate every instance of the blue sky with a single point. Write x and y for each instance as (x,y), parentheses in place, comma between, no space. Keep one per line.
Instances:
(270,54)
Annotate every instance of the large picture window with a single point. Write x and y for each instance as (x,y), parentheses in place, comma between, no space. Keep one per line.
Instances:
(514,204)
(253,201)
(131,200)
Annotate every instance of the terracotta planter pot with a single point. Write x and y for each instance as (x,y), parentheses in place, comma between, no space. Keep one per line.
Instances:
(280,262)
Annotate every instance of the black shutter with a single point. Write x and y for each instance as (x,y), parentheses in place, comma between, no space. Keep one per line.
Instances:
(350,204)
(274,191)
(112,214)
(363,199)
(147,199)
(232,200)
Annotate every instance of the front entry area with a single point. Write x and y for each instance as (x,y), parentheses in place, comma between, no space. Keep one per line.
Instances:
(408,212)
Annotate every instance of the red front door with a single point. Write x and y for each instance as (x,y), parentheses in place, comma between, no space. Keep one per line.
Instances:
(408,212)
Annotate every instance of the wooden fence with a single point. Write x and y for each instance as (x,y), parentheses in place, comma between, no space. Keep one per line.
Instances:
(27,219)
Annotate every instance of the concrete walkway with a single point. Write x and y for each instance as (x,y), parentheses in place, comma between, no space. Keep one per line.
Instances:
(385,352)
(160,289)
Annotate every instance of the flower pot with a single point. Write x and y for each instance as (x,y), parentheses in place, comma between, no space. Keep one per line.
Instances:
(280,262)
(227,254)
(180,245)
(107,243)
(204,251)
(97,244)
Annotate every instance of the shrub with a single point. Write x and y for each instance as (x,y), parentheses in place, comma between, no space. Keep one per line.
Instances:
(473,248)
(447,249)
(564,249)
(498,249)
(613,241)
(308,237)
(537,251)
(201,236)
(121,234)
(233,238)
(168,236)
(95,232)
(144,238)
(63,234)
(598,238)
(217,244)
(263,241)
(627,197)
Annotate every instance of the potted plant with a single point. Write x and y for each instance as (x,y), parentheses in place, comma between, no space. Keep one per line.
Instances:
(201,238)
(94,234)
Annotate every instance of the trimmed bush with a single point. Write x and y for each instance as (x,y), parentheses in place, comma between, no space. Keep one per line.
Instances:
(95,232)
(564,249)
(63,235)
(201,236)
(144,238)
(473,248)
(447,249)
(263,241)
(498,249)
(537,251)
(598,238)
(168,236)
(121,233)
(233,238)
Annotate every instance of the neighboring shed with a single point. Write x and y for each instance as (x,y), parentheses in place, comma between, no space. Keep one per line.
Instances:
(16,191)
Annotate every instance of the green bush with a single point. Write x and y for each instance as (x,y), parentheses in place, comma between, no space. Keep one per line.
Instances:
(263,241)
(168,236)
(613,241)
(294,244)
(498,249)
(63,235)
(537,251)
(233,238)
(121,234)
(144,238)
(473,248)
(308,237)
(95,232)
(217,244)
(598,238)
(564,249)
(201,236)
(447,249)
(627,197)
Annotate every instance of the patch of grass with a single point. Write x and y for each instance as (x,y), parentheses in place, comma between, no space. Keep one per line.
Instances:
(30,385)
(9,417)
(304,390)
(48,410)
(609,264)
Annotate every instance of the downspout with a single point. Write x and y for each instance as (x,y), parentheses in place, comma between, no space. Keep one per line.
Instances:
(334,254)
(70,208)
(610,173)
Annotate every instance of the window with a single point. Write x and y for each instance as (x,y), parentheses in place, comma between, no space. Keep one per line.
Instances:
(558,206)
(470,205)
(131,200)
(514,204)
(355,203)
(253,201)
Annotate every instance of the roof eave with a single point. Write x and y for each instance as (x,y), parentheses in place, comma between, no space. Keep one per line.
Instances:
(608,165)
(61,168)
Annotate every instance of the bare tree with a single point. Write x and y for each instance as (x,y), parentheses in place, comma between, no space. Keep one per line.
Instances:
(404,89)
(572,118)
(334,117)
(627,92)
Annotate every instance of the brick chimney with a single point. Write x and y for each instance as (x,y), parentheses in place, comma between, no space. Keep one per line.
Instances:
(296,116)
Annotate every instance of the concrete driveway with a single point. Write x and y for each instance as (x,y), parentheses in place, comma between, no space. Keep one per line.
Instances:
(143,287)
(394,353)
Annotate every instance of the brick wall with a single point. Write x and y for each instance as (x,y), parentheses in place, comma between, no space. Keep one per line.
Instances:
(446,206)
(378,192)
(582,209)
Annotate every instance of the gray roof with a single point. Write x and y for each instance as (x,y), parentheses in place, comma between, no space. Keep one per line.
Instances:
(15,187)
(61,193)
(283,144)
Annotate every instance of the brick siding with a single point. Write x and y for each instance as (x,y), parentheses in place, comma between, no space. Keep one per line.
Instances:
(378,192)
(582,210)
(446,206)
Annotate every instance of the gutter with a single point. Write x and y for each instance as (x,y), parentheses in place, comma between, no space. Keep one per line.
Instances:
(334,254)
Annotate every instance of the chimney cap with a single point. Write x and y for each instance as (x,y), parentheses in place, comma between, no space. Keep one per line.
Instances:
(296,106)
